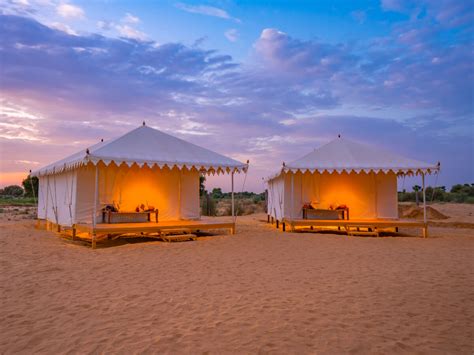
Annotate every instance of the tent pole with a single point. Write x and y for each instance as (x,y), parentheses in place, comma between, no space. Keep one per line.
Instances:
(179,195)
(233,203)
(47,200)
(424,203)
(292,194)
(96,198)
(376,197)
(55,205)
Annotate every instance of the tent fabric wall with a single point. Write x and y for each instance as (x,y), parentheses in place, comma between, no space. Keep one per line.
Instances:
(42,198)
(387,196)
(357,191)
(57,197)
(276,197)
(129,187)
(85,194)
(368,196)
(190,194)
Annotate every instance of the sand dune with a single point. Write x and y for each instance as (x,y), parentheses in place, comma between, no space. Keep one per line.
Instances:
(257,291)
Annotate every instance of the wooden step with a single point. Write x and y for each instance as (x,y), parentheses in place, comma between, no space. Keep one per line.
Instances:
(363,233)
(354,230)
(178,237)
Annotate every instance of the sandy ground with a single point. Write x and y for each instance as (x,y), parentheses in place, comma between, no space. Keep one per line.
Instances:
(260,291)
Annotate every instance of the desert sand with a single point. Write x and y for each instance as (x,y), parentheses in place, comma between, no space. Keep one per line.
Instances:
(259,291)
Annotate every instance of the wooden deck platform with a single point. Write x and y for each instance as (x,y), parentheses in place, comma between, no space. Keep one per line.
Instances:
(165,227)
(354,226)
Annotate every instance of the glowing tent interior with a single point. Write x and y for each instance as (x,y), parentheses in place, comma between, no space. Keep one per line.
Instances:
(355,177)
(144,166)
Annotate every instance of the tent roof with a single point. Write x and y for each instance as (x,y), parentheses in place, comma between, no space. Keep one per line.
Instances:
(343,155)
(145,145)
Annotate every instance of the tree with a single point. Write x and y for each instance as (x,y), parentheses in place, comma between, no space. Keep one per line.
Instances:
(217,193)
(417,188)
(456,188)
(29,184)
(13,191)
(202,187)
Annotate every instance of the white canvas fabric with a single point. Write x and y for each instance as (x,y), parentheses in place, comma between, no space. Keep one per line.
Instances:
(343,172)
(174,192)
(368,196)
(57,198)
(345,155)
(147,146)
(144,166)
(276,197)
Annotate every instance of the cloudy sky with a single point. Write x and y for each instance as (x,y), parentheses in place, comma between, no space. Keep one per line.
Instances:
(261,80)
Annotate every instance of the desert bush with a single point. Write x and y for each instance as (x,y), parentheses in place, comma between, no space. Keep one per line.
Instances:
(30,185)
(459,193)
(208,205)
(12,191)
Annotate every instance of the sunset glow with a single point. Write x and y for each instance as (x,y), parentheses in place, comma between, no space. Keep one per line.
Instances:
(248,81)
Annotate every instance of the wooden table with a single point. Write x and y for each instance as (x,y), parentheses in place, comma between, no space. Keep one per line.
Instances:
(324,214)
(128,217)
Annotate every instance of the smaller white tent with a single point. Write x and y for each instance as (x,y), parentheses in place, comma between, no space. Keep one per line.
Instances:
(342,172)
(144,166)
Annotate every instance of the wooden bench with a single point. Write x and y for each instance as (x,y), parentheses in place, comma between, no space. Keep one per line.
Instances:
(325,214)
(128,217)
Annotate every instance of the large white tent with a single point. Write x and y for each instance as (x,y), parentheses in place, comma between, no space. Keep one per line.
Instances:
(343,172)
(144,166)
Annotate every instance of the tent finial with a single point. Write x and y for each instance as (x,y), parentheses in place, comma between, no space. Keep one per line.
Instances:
(143,122)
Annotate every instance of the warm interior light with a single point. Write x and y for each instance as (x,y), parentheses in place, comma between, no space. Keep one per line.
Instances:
(366,195)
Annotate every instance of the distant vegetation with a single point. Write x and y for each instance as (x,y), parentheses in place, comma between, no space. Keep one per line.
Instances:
(217,194)
(218,203)
(460,193)
(20,201)
(15,195)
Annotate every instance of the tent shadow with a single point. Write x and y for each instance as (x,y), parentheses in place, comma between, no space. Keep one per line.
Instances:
(106,243)
(344,234)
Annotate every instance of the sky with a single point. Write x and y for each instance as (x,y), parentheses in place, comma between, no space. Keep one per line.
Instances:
(265,81)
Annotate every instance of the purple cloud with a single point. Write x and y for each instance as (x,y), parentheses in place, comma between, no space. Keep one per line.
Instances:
(62,92)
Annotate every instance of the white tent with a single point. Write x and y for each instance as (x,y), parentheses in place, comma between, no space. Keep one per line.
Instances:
(144,166)
(343,172)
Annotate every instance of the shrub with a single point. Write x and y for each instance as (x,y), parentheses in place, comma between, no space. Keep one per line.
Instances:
(208,205)
(29,184)
(13,191)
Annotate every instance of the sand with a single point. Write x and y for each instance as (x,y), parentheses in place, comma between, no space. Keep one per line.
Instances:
(260,291)
(417,212)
